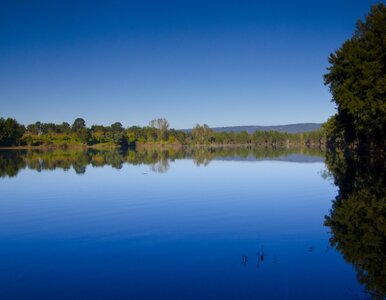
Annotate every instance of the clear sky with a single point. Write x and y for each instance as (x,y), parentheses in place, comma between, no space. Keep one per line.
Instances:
(222,62)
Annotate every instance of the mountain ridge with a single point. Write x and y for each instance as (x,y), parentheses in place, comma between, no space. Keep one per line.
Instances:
(289,128)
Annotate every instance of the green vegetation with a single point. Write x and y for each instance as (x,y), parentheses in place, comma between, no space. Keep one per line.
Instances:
(157,133)
(357,81)
(11,132)
(64,135)
(355,156)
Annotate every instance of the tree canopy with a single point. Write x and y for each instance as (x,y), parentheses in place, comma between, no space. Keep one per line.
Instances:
(10,132)
(158,133)
(357,81)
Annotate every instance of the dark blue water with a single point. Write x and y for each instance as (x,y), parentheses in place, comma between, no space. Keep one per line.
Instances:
(234,229)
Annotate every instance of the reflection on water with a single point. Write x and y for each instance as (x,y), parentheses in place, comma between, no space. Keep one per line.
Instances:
(258,225)
(358,216)
(11,161)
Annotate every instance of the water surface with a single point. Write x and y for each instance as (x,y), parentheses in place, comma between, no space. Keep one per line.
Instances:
(193,224)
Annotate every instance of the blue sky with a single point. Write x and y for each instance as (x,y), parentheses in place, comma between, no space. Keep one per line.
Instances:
(217,62)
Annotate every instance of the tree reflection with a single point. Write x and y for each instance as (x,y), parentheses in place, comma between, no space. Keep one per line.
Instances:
(161,158)
(358,216)
(11,161)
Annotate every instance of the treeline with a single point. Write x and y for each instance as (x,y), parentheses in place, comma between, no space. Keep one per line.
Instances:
(157,133)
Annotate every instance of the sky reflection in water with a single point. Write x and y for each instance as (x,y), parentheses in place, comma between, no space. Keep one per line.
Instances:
(237,228)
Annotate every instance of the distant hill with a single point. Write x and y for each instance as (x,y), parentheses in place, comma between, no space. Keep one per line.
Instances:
(290,128)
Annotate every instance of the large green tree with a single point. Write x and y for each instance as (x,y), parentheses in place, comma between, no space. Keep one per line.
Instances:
(80,129)
(357,81)
(78,124)
(10,132)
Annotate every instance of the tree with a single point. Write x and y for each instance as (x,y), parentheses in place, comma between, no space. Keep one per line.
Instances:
(117,127)
(64,128)
(81,131)
(78,124)
(202,134)
(162,126)
(118,134)
(357,81)
(10,132)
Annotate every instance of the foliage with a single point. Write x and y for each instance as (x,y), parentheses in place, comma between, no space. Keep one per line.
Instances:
(357,81)
(78,124)
(10,132)
(202,134)
(158,133)
(162,126)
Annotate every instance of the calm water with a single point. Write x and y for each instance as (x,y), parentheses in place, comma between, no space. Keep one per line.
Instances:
(202,224)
